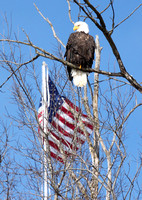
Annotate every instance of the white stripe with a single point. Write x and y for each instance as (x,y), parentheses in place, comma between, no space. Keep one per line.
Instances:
(40,109)
(67,129)
(86,120)
(70,131)
(89,130)
(51,128)
(40,119)
(68,139)
(66,116)
(63,147)
(57,153)
(82,117)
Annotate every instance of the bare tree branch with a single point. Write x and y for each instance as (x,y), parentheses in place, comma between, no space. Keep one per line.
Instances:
(19,66)
(107,34)
(51,25)
(69,6)
(128,16)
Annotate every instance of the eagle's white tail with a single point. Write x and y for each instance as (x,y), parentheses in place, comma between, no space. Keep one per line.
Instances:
(79,78)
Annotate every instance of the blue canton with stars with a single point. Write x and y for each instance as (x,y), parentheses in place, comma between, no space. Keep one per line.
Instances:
(55,100)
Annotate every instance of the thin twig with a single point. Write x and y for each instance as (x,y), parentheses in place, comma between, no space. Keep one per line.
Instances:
(51,25)
(128,16)
(113,14)
(34,58)
(128,115)
(69,6)
(132,182)
(105,8)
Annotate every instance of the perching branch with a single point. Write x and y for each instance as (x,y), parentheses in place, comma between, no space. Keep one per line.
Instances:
(46,54)
(107,35)
(123,73)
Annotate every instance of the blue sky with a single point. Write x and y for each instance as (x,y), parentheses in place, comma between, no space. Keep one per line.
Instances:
(128,37)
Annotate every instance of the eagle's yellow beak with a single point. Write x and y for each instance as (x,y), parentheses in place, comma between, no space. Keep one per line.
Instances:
(75,28)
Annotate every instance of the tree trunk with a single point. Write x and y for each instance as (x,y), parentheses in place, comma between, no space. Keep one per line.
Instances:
(94,183)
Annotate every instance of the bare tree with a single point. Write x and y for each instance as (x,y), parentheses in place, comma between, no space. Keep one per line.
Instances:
(96,170)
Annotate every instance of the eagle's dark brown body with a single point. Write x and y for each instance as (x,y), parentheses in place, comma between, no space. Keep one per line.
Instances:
(80,50)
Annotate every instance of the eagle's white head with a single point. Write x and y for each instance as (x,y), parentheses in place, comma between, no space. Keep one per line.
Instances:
(81,26)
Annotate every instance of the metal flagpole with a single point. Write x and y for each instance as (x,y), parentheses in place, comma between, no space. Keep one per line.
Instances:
(44,103)
(48,104)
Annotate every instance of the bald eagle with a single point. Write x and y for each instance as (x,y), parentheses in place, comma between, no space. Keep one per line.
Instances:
(80,52)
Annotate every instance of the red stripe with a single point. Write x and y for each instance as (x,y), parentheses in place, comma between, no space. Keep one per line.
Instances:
(65,142)
(65,133)
(72,105)
(88,125)
(75,108)
(61,130)
(70,114)
(53,155)
(40,114)
(65,121)
(67,112)
(71,126)
(55,146)
(83,115)
(68,124)
(38,130)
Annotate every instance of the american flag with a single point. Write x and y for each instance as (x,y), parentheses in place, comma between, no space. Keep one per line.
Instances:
(65,134)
